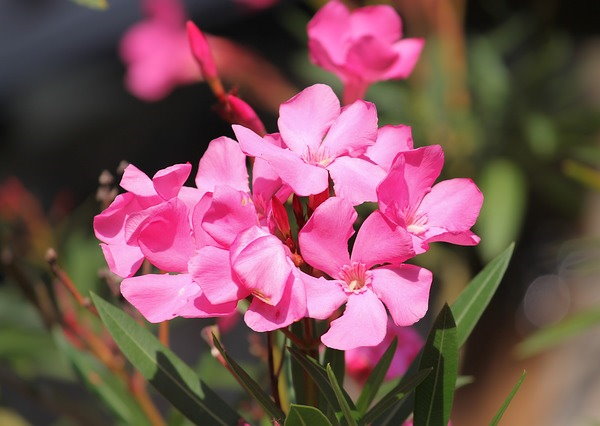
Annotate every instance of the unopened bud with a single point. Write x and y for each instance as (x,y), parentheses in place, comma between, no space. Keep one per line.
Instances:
(242,113)
(201,51)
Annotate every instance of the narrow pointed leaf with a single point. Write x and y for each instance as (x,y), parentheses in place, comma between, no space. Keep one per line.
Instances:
(473,300)
(253,388)
(396,396)
(509,398)
(338,363)
(319,375)
(467,309)
(174,379)
(375,379)
(303,415)
(557,333)
(434,396)
(346,411)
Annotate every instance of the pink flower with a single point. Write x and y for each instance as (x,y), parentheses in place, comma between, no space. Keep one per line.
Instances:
(320,140)
(442,212)
(403,288)
(361,47)
(201,51)
(156,52)
(361,361)
(154,219)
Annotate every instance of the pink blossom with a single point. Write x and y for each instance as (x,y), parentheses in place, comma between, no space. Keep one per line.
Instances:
(445,211)
(403,288)
(362,46)
(361,361)
(320,140)
(156,51)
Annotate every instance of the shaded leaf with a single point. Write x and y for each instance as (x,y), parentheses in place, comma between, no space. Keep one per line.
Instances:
(303,415)
(174,379)
(337,360)
(371,387)
(93,4)
(508,399)
(341,398)
(474,299)
(395,396)
(253,388)
(434,396)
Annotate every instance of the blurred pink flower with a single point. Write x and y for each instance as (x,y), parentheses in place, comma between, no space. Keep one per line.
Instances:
(362,46)
(357,280)
(361,361)
(157,53)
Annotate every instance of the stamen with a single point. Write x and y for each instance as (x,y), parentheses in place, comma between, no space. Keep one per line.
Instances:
(356,277)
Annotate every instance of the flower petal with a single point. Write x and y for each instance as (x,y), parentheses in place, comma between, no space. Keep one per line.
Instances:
(363,323)
(166,238)
(223,163)
(409,52)
(305,118)
(380,241)
(137,182)
(159,297)
(329,27)
(324,238)
(305,179)
(230,213)
(380,21)
(262,316)
(405,291)
(390,141)
(109,226)
(355,179)
(452,205)
(370,58)
(261,266)
(323,296)
(201,307)
(353,131)
(167,182)
(122,259)
(210,268)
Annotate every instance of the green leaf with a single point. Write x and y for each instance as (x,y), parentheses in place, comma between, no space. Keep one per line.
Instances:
(556,334)
(253,388)
(321,378)
(303,415)
(175,380)
(508,399)
(395,396)
(93,4)
(434,396)
(463,381)
(501,217)
(102,382)
(337,360)
(375,379)
(474,299)
(346,411)
(467,309)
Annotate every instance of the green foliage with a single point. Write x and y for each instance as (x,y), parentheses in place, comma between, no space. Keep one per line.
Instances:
(164,370)
(434,396)
(303,415)
(505,190)
(558,333)
(102,382)
(341,397)
(250,385)
(371,387)
(508,399)
(474,299)
(93,4)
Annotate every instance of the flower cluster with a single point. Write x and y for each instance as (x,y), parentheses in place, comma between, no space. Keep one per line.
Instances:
(230,238)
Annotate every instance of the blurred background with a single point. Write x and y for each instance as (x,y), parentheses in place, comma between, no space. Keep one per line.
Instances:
(510,89)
